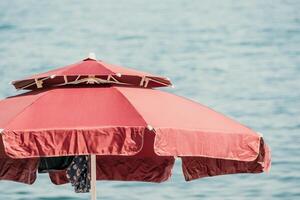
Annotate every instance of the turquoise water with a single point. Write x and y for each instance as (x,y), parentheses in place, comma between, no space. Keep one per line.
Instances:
(241,58)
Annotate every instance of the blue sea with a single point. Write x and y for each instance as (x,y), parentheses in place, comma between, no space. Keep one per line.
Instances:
(241,58)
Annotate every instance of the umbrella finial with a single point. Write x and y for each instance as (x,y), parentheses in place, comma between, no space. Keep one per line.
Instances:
(150,128)
(53,76)
(92,56)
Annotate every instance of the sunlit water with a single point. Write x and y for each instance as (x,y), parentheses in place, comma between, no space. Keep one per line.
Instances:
(241,58)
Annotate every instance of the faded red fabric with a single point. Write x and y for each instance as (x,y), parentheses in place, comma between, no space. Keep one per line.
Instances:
(134,130)
(19,170)
(95,68)
(58,177)
(218,144)
(147,169)
(199,167)
(106,141)
(144,166)
(114,123)
(62,121)
(124,168)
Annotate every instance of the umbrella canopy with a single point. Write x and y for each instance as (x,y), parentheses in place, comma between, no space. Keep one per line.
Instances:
(135,123)
(91,71)
(132,131)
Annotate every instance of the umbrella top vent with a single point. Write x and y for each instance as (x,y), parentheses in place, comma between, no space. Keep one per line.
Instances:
(91,71)
(92,56)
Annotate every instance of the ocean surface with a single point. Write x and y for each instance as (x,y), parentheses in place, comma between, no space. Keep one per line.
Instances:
(241,58)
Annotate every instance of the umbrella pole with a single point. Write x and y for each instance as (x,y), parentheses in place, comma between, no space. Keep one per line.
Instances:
(93,177)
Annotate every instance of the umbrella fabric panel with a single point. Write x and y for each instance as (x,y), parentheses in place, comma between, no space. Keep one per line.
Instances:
(187,128)
(58,177)
(104,141)
(61,122)
(147,169)
(58,71)
(182,142)
(124,71)
(119,106)
(144,166)
(199,167)
(165,110)
(71,108)
(12,106)
(126,168)
(88,67)
(19,170)
(91,67)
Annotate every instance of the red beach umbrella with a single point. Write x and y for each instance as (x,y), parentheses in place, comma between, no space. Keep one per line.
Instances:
(133,133)
(96,71)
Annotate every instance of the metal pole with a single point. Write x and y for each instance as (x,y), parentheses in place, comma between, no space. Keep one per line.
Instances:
(93,177)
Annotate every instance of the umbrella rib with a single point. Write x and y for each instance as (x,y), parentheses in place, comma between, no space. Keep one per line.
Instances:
(157,81)
(63,69)
(146,79)
(37,82)
(104,66)
(93,81)
(121,93)
(227,118)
